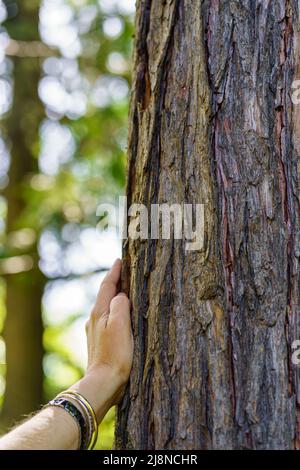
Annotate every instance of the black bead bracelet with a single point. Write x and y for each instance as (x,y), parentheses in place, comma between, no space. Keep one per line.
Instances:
(73,411)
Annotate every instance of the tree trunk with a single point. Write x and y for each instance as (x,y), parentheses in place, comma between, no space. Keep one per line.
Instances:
(212,122)
(23,330)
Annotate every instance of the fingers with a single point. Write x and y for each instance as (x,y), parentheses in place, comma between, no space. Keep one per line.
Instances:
(108,288)
(120,310)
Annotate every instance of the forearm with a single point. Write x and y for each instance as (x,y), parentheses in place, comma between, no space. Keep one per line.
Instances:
(53,428)
(50,429)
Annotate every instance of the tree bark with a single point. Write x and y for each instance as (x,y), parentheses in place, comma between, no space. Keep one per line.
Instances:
(23,329)
(212,122)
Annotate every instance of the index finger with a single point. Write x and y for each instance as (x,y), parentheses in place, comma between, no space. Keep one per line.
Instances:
(108,288)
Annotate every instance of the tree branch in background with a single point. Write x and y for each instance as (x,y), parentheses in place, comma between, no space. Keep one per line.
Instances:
(34,49)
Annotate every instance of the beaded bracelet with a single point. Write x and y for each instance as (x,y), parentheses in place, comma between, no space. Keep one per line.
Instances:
(73,411)
(81,410)
(93,425)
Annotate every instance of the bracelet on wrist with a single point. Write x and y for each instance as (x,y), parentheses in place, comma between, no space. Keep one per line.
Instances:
(82,412)
(85,404)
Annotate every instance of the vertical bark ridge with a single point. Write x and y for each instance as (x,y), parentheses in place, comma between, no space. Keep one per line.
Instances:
(293,117)
(180,386)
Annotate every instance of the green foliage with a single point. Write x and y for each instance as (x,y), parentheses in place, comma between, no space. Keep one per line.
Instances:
(106,432)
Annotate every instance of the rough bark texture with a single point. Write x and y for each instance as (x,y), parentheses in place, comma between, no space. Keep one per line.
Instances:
(23,329)
(212,122)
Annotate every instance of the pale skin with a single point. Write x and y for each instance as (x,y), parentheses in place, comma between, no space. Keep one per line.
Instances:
(110,352)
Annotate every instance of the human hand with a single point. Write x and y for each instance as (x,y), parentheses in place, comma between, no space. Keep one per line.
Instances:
(109,336)
(110,346)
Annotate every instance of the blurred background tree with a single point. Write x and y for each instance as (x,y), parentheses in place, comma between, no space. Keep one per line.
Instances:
(64,86)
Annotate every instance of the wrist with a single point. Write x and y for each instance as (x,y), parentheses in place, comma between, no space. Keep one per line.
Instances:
(102,387)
